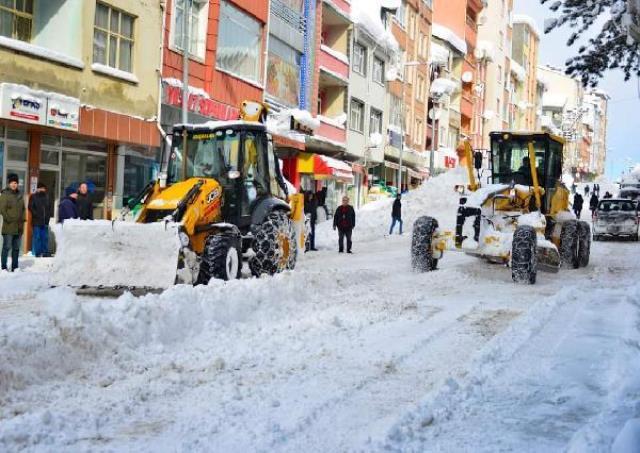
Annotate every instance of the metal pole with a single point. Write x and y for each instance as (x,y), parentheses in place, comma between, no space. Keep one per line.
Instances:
(404,118)
(433,140)
(186,32)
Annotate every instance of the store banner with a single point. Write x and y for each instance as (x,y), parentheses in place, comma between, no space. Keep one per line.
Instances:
(283,81)
(20,103)
(63,112)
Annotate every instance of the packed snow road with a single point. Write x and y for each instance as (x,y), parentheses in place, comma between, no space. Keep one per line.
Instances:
(346,353)
(349,352)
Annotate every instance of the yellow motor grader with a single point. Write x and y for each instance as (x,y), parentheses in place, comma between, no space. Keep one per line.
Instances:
(220,197)
(522,218)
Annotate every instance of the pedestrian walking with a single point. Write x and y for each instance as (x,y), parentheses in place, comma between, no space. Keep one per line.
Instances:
(593,203)
(84,202)
(573,188)
(596,189)
(578,202)
(40,210)
(344,220)
(396,214)
(13,212)
(68,208)
(311,209)
(586,190)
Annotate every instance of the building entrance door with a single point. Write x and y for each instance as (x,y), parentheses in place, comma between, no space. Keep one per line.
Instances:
(51,179)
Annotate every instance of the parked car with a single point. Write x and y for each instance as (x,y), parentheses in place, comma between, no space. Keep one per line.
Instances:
(616,217)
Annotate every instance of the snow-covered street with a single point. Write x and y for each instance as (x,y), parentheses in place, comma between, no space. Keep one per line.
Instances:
(346,353)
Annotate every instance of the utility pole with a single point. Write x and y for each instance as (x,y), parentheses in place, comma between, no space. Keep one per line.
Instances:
(186,37)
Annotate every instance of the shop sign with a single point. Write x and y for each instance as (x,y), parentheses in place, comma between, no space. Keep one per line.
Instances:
(198,103)
(63,112)
(19,103)
(450,162)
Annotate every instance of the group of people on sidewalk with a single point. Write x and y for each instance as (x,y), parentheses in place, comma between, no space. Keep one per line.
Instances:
(75,205)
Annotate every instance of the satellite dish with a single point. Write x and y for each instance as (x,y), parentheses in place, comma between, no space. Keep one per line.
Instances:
(467,76)
(482,19)
(434,114)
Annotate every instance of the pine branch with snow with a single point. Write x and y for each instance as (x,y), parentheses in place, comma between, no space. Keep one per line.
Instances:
(610,49)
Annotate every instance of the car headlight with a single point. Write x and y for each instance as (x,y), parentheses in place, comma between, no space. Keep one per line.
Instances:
(184,238)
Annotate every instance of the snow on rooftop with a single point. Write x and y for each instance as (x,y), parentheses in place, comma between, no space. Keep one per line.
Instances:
(450,36)
(527,20)
(366,14)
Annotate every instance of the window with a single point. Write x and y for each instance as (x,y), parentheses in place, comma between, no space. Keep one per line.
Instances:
(419,132)
(396,111)
(113,38)
(239,43)
(378,70)
(16,19)
(498,111)
(420,89)
(197,27)
(501,40)
(499,74)
(360,59)
(400,13)
(412,25)
(356,121)
(375,121)
(283,72)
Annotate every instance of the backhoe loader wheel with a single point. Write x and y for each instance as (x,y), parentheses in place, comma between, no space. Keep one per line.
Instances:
(422,259)
(584,244)
(524,259)
(570,245)
(274,245)
(221,258)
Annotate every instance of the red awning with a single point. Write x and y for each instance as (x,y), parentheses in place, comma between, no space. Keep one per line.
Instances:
(332,168)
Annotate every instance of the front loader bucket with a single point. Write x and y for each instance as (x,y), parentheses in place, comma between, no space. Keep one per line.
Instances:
(102,254)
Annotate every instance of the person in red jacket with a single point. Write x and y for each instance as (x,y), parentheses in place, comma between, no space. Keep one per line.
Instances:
(344,220)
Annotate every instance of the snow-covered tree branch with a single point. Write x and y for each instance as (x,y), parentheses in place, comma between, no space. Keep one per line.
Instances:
(612,47)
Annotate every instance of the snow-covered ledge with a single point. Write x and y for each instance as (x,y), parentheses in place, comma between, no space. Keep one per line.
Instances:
(41,52)
(114,72)
(334,53)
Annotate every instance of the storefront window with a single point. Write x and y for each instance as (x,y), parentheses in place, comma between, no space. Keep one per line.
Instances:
(89,168)
(141,165)
(283,72)
(49,157)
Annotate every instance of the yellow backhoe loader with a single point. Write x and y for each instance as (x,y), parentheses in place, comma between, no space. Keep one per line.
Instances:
(220,197)
(522,218)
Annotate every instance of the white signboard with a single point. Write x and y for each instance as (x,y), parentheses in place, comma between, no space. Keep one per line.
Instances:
(63,112)
(19,103)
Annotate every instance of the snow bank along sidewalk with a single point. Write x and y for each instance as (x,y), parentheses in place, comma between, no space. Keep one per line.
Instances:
(436,198)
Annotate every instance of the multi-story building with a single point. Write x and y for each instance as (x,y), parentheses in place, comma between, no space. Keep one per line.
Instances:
(449,50)
(408,95)
(562,115)
(595,105)
(472,77)
(80,105)
(524,54)
(494,41)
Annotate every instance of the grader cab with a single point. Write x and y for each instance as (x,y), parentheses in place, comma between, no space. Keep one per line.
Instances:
(520,218)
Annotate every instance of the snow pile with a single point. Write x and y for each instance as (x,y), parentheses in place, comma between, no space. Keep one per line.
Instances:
(366,13)
(102,253)
(451,37)
(527,20)
(436,197)
(279,123)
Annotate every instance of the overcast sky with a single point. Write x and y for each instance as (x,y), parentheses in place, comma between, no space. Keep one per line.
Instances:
(624,108)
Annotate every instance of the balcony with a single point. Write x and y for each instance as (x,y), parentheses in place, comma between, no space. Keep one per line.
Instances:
(330,130)
(341,6)
(335,64)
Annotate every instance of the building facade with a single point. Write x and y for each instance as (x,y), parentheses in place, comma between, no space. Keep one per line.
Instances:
(524,54)
(79,106)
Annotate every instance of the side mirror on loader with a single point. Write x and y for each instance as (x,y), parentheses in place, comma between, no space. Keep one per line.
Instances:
(477,160)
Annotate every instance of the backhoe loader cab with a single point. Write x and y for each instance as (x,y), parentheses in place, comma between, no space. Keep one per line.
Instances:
(521,219)
(221,198)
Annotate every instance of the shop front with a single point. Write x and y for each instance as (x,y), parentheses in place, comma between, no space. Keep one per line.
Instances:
(328,177)
(51,138)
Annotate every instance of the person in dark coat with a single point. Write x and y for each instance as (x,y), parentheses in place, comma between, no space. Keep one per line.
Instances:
(396,214)
(311,208)
(84,202)
(68,208)
(607,195)
(345,221)
(578,201)
(40,210)
(593,203)
(586,190)
(13,213)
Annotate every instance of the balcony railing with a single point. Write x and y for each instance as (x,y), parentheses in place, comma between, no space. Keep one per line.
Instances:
(331,131)
(334,62)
